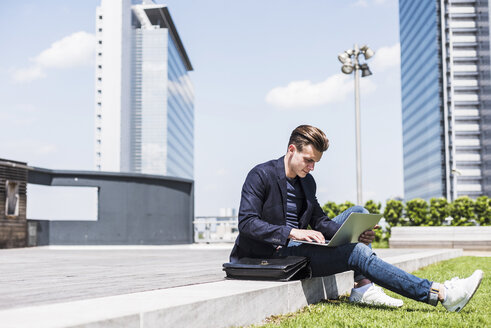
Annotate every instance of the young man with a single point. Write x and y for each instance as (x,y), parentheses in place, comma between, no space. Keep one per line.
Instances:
(278,203)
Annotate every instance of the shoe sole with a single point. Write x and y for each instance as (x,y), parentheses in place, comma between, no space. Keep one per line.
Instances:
(459,307)
(377,304)
(359,301)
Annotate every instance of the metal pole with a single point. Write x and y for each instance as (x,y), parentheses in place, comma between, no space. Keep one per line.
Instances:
(357,121)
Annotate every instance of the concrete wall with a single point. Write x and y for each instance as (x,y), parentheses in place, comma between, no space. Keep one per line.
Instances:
(133,209)
(463,237)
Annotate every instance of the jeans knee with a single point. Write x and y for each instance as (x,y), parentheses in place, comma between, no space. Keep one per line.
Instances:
(363,249)
(358,209)
(361,254)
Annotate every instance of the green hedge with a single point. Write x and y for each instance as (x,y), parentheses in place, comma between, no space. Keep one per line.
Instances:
(439,211)
(418,212)
(482,210)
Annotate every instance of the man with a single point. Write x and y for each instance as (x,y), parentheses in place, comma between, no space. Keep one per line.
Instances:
(278,204)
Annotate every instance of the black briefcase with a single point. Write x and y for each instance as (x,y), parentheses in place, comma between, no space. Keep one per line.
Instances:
(279,269)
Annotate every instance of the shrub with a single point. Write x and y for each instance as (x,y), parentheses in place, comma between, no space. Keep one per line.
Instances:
(380,235)
(393,212)
(462,211)
(331,209)
(482,210)
(373,207)
(439,210)
(344,206)
(417,211)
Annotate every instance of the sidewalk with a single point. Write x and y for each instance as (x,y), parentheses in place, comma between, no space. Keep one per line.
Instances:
(180,286)
(477,253)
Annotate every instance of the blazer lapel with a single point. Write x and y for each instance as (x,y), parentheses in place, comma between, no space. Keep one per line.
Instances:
(307,193)
(281,179)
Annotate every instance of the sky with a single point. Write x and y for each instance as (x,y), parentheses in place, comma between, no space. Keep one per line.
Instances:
(261,68)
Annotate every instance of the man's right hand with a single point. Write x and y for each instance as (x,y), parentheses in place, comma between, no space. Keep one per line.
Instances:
(308,235)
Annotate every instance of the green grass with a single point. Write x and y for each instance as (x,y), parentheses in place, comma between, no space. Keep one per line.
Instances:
(340,313)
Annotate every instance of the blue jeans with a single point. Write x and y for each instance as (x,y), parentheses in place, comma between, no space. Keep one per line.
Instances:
(360,258)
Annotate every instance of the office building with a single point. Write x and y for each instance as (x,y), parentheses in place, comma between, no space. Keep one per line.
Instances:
(144,97)
(446,98)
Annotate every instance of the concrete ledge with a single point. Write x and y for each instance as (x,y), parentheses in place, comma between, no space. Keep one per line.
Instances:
(210,305)
(413,262)
(467,238)
(220,304)
(466,245)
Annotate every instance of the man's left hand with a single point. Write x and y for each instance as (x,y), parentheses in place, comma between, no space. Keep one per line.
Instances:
(368,236)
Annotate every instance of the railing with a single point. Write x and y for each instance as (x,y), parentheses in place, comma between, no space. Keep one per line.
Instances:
(215,229)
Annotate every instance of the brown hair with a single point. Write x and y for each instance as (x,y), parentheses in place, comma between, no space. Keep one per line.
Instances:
(305,135)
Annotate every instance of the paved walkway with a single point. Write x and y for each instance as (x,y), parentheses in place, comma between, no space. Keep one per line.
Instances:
(44,275)
(477,253)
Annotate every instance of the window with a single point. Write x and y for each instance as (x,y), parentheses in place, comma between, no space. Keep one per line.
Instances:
(99,104)
(99,91)
(99,79)
(100,17)
(100,29)
(12,201)
(100,41)
(99,66)
(99,54)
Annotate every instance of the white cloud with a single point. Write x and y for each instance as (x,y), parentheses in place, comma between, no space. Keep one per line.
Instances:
(302,94)
(28,74)
(74,50)
(386,58)
(336,88)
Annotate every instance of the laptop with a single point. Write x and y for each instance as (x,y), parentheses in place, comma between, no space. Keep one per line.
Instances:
(350,230)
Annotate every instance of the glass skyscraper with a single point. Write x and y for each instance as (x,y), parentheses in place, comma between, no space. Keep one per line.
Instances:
(144,97)
(445,81)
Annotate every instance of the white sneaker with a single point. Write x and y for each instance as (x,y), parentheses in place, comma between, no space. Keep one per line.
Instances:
(459,291)
(374,296)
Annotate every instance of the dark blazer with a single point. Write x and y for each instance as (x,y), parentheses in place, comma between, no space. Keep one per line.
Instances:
(262,212)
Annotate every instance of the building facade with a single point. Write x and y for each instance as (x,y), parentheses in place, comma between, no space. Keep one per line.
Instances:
(446,107)
(159,210)
(13,185)
(144,97)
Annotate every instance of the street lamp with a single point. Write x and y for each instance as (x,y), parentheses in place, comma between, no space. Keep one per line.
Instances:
(350,62)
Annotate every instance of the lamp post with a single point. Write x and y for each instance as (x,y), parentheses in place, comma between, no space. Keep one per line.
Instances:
(455,173)
(350,62)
